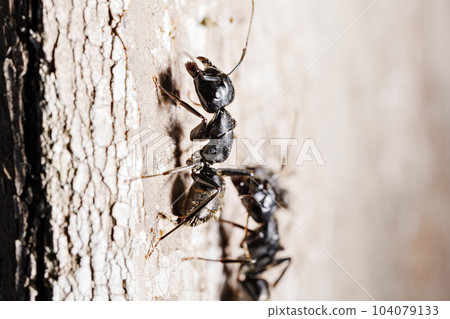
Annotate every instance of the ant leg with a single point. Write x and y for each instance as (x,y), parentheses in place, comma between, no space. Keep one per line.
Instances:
(224,260)
(234,172)
(279,262)
(173,221)
(235,225)
(191,215)
(244,242)
(245,229)
(177,100)
(171,171)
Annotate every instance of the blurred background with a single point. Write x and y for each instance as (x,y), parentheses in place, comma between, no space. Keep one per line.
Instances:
(368,82)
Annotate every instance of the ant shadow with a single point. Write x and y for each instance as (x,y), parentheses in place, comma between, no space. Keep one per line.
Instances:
(175,132)
(178,191)
(166,79)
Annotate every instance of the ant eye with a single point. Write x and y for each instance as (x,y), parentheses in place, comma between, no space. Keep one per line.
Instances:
(220,93)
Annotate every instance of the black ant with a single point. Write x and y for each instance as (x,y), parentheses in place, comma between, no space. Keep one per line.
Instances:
(204,199)
(215,91)
(260,195)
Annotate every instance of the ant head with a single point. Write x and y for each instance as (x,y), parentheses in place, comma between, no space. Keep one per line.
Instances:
(214,88)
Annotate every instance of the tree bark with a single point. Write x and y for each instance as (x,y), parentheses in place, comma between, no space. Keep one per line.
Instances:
(86,120)
(26,236)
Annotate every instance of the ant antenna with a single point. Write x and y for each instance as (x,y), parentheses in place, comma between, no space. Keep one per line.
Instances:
(246,40)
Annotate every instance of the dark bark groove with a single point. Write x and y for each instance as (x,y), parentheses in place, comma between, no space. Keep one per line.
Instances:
(25,238)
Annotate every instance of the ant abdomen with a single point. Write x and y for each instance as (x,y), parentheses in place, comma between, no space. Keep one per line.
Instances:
(199,193)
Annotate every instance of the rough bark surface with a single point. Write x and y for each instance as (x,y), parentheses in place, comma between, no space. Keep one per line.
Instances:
(89,112)
(94,144)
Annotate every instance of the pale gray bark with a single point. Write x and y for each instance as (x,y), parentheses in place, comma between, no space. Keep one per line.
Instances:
(86,120)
